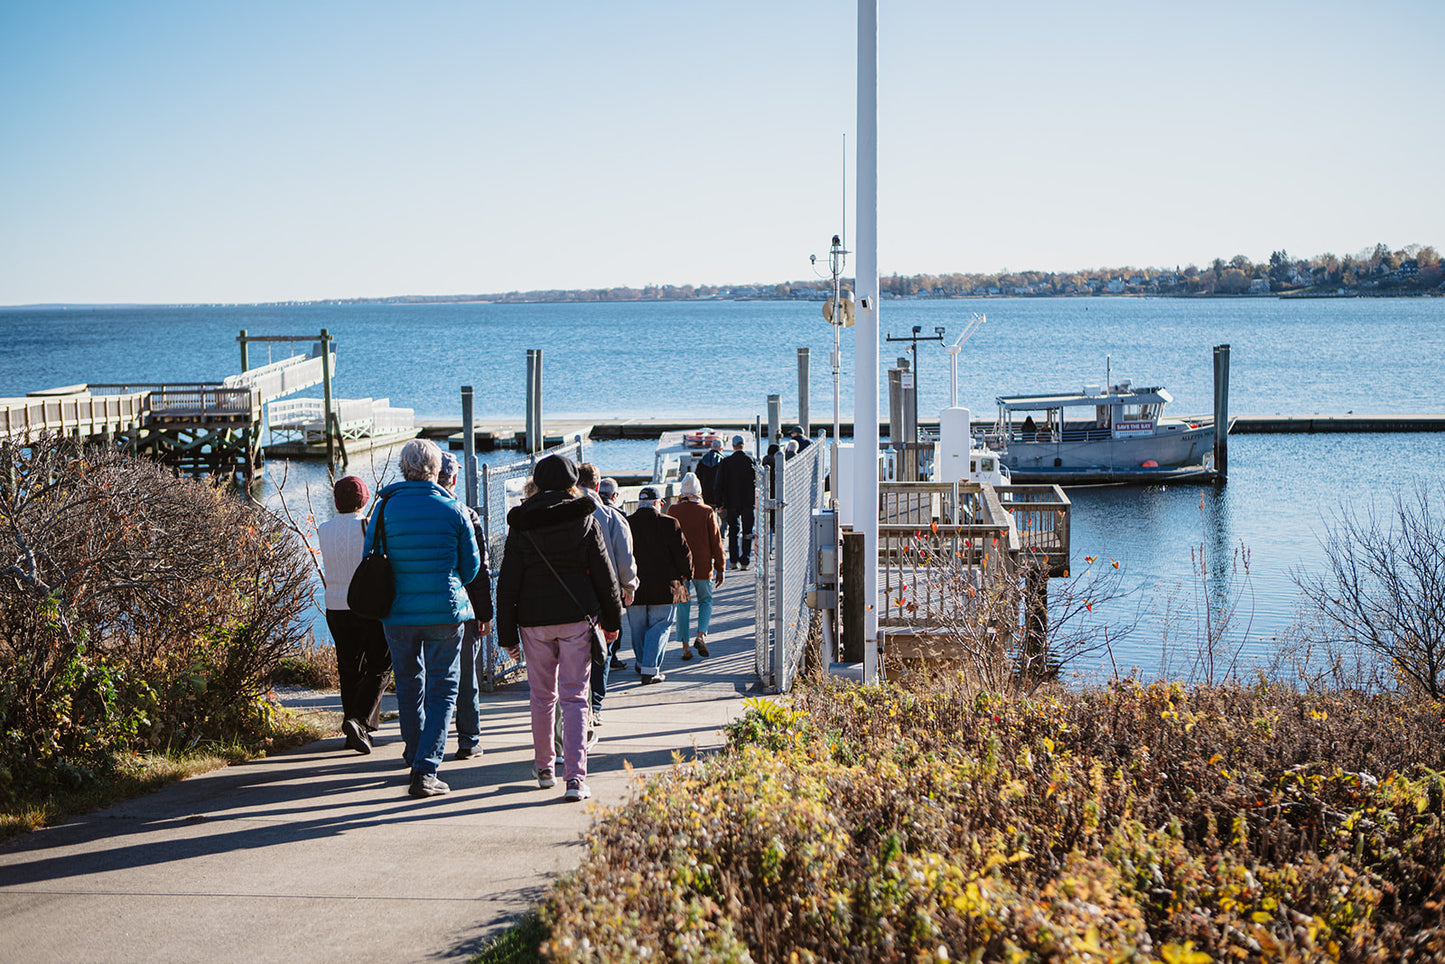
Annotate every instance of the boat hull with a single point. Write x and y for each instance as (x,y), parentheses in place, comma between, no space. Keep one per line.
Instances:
(1184,455)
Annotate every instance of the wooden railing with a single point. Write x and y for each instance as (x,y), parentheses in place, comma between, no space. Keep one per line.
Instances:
(80,413)
(1041,516)
(931,547)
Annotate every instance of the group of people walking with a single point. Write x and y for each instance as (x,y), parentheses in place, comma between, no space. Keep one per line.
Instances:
(578,580)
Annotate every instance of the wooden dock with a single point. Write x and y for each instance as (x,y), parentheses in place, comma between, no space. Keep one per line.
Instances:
(215,429)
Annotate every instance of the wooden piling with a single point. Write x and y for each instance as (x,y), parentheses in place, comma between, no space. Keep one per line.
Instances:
(854,562)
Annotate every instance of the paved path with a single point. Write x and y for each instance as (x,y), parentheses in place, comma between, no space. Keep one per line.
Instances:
(320,855)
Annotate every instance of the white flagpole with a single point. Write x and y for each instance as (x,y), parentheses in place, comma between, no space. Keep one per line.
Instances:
(865,367)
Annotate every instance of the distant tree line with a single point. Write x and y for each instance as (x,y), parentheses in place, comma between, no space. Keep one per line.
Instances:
(1413,269)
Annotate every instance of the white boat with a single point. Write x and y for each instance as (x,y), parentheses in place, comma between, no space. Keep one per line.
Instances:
(1113,434)
(678,452)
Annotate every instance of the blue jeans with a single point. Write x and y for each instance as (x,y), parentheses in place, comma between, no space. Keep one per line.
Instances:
(602,671)
(651,627)
(469,701)
(702,592)
(425,662)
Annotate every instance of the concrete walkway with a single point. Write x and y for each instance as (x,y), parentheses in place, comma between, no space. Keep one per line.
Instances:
(320,855)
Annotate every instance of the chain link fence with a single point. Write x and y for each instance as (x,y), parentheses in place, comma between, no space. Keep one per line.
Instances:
(785,570)
(499,488)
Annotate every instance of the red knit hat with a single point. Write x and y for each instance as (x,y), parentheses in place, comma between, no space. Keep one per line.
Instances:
(350,494)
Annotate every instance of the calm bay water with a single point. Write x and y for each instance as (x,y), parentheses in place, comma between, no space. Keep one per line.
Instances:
(712,359)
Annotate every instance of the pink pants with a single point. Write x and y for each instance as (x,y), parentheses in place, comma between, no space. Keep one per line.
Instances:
(559,665)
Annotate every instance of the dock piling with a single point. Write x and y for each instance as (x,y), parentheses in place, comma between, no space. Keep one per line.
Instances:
(1221,411)
(804,357)
(469,446)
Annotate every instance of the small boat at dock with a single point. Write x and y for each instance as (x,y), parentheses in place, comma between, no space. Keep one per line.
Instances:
(678,453)
(1116,434)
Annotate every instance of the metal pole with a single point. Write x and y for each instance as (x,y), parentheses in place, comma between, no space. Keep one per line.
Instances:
(469,447)
(327,419)
(804,356)
(530,403)
(780,604)
(865,392)
(1221,411)
(537,401)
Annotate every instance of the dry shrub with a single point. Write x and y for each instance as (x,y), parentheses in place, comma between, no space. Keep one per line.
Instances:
(1131,824)
(137,610)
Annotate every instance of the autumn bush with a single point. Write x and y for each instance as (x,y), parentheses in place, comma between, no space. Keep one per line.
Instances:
(138,611)
(1134,823)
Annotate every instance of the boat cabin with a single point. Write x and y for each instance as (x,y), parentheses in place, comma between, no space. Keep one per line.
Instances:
(1092,415)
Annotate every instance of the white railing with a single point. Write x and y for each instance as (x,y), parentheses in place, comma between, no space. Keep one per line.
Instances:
(82,413)
(358,417)
(285,377)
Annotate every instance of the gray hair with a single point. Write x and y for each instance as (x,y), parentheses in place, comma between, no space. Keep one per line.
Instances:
(421,460)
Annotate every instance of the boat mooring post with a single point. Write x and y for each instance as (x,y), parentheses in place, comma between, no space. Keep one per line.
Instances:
(804,356)
(775,417)
(328,419)
(534,400)
(1221,412)
(469,446)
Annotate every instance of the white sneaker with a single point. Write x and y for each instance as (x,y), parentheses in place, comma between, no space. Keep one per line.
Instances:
(577,790)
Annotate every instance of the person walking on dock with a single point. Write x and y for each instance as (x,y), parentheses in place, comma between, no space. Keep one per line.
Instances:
(617,535)
(706,470)
(704,541)
(664,568)
(363,660)
(736,476)
(433,554)
(479,591)
(555,588)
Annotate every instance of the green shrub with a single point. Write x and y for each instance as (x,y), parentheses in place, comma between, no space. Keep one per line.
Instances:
(137,610)
(1140,823)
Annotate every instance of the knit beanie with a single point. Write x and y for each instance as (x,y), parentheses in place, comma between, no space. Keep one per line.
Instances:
(554,473)
(350,494)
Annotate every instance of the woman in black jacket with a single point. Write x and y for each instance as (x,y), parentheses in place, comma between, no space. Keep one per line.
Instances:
(556,581)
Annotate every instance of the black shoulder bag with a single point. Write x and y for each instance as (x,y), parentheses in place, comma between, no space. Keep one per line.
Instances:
(373,584)
(599,651)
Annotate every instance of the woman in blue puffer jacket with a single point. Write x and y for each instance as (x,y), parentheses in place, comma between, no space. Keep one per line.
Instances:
(433,555)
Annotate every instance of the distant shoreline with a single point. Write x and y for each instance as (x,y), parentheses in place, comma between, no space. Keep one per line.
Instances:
(560,299)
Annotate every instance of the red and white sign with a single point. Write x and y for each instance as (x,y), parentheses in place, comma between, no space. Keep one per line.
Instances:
(1133,429)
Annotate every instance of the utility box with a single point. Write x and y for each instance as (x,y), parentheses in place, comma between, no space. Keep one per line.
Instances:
(954,442)
(823,543)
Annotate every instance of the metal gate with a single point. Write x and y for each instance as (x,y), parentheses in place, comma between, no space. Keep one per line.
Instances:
(784,562)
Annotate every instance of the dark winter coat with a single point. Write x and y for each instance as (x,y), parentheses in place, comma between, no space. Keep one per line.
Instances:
(735,478)
(706,471)
(664,563)
(479,590)
(560,526)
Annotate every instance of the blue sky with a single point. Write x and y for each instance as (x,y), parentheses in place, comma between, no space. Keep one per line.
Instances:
(268,151)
